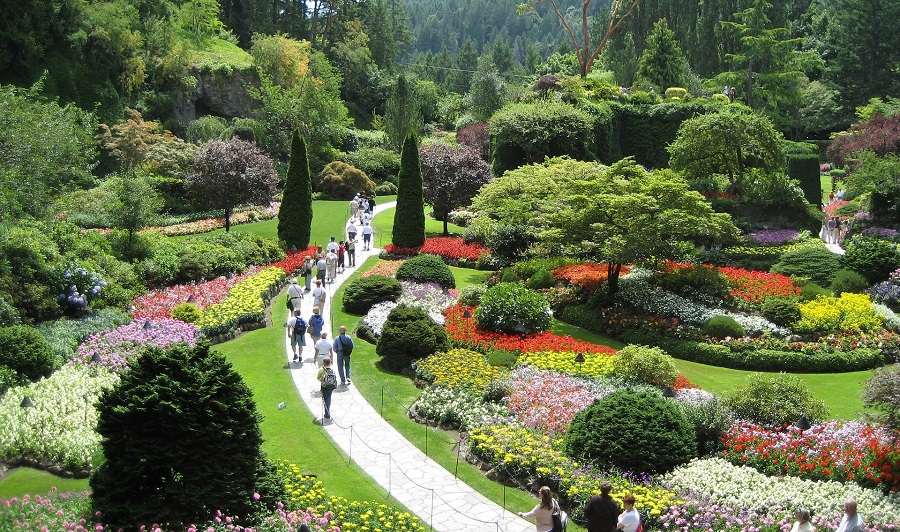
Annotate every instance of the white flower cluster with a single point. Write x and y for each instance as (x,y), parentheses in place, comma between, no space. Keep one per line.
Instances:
(459,408)
(427,296)
(636,290)
(720,482)
(60,426)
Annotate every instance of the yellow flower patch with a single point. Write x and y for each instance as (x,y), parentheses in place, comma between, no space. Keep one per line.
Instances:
(594,365)
(459,368)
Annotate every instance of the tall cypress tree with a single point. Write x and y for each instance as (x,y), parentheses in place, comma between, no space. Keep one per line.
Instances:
(409,217)
(662,63)
(295,214)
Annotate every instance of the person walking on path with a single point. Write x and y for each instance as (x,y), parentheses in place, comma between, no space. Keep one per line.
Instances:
(317,322)
(324,349)
(367,233)
(351,251)
(308,265)
(297,332)
(351,231)
(331,260)
(354,207)
(851,522)
(320,268)
(630,519)
(543,512)
(294,294)
(602,511)
(342,257)
(319,294)
(328,382)
(343,347)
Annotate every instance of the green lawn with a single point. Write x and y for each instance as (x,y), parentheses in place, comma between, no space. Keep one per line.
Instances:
(384,226)
(329,218)
(24,480)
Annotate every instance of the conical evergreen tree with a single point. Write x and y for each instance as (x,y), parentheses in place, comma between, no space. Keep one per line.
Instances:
(409,217)
(295,214)
(662,63)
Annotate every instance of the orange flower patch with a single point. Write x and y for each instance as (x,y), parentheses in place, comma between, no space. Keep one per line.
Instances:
(589,276)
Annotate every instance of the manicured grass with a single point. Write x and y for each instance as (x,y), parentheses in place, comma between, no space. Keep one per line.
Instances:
(840,391)
(467,276)
(329,219)
(581,334)
(24,480)
(384,227)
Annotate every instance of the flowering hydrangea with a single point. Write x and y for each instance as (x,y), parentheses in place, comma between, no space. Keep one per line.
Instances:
(118,347)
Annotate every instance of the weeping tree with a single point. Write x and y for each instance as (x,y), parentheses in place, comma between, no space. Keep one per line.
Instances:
(295,214)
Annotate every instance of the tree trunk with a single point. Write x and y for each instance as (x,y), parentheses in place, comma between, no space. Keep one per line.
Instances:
(228,220)
(446,231)
(612,278)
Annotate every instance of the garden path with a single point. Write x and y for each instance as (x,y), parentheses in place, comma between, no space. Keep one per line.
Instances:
(423,486)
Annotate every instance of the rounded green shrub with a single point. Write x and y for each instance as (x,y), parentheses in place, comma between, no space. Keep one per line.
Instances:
(503,358)
(697,278)
(509,241)
(24,350)
(408,335)
(781,311)
(426,269)
(541,279)
(848,281)
(512,308)
(364,292)
(508,276)
(339,180)
(644,365)
(527,268)
(811,262)
(632,430)
(775,400)
(385,188)
(810,291)
(722,326)
(471,295)
(186,312)
(872,258)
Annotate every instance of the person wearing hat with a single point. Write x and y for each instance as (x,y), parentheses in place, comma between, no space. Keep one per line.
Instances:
(294,294)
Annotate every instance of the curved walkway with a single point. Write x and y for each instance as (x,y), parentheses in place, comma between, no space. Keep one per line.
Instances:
(423,486)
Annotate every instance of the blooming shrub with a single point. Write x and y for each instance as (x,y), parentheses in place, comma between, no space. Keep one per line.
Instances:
(459,408)
(245,301)
(158,304)
(718,495)
(60,427)
(828,314)
(836,450)
(448,248)
(589,276)
(547,401)
(386,268)
(118,347)
(510,308)
(458,368)
(594,365)
(644,365)
(464,332)
(754,286)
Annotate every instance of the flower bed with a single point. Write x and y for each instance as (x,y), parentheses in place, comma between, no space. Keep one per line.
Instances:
(774,236)
(118,347)
(594,365)
(718,495)
(386,268)
(65,334)
(430,297)
(158,304)
(294,260)
(755,286)
(206,225)
(464,332)
(458,368)
(836,450)
(588,276)
(245,303)
(59,429)
(457,408)
(448,248)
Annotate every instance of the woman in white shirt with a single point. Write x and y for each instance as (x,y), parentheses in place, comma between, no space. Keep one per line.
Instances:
(802,523)
(630,519)
(543,512)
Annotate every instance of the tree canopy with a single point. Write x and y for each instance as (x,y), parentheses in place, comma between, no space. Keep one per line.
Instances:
(451,176)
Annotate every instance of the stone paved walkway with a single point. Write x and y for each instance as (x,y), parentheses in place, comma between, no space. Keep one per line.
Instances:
(423,486)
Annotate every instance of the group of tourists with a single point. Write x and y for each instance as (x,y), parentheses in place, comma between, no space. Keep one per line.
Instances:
(604,515)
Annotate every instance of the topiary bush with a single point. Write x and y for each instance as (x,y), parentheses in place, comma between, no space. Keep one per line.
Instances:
(541,279)
(640,364)
(848,281)
(512,308)
(509,241)
(407,335)
(24,350)
(872,258)
(362,293)
(503,358)
(782,311)
(426,269)
(508,276)
(340,180)
(810,291)
(775,400)
(811,262)
(722,326)
(471,295)
(632,430)
(186,312)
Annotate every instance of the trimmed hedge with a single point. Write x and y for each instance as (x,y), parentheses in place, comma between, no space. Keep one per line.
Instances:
(364,292)
(759,359)
(804,167)
(426,269)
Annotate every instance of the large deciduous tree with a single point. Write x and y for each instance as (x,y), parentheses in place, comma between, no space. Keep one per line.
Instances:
(728,150)
(409,216)
(181,439)
(133,204)
(627,215)
(451,175)
(229,174)
(878,134)
(295,214)
(662,64)
(587,51)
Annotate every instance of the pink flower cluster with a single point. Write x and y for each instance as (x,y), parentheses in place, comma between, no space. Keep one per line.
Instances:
(158,304)
(118,347)
(547,401)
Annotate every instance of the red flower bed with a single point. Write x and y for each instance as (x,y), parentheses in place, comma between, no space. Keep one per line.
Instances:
(755,286)
(448,248)
(834,206)
(158,304)
(295,259)
(837,450)
(464,331)
(589,276)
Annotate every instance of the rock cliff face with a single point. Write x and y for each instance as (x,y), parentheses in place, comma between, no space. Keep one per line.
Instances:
(217,94)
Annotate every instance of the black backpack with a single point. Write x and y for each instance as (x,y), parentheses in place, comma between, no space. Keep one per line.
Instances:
(345,349)
(300,327)
(329,380)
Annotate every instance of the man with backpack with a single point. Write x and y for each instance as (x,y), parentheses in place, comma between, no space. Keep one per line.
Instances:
(297,333)
(343,346)
(328,381)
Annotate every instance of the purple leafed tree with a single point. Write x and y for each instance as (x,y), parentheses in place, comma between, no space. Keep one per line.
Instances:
(230,174)
(451,176)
